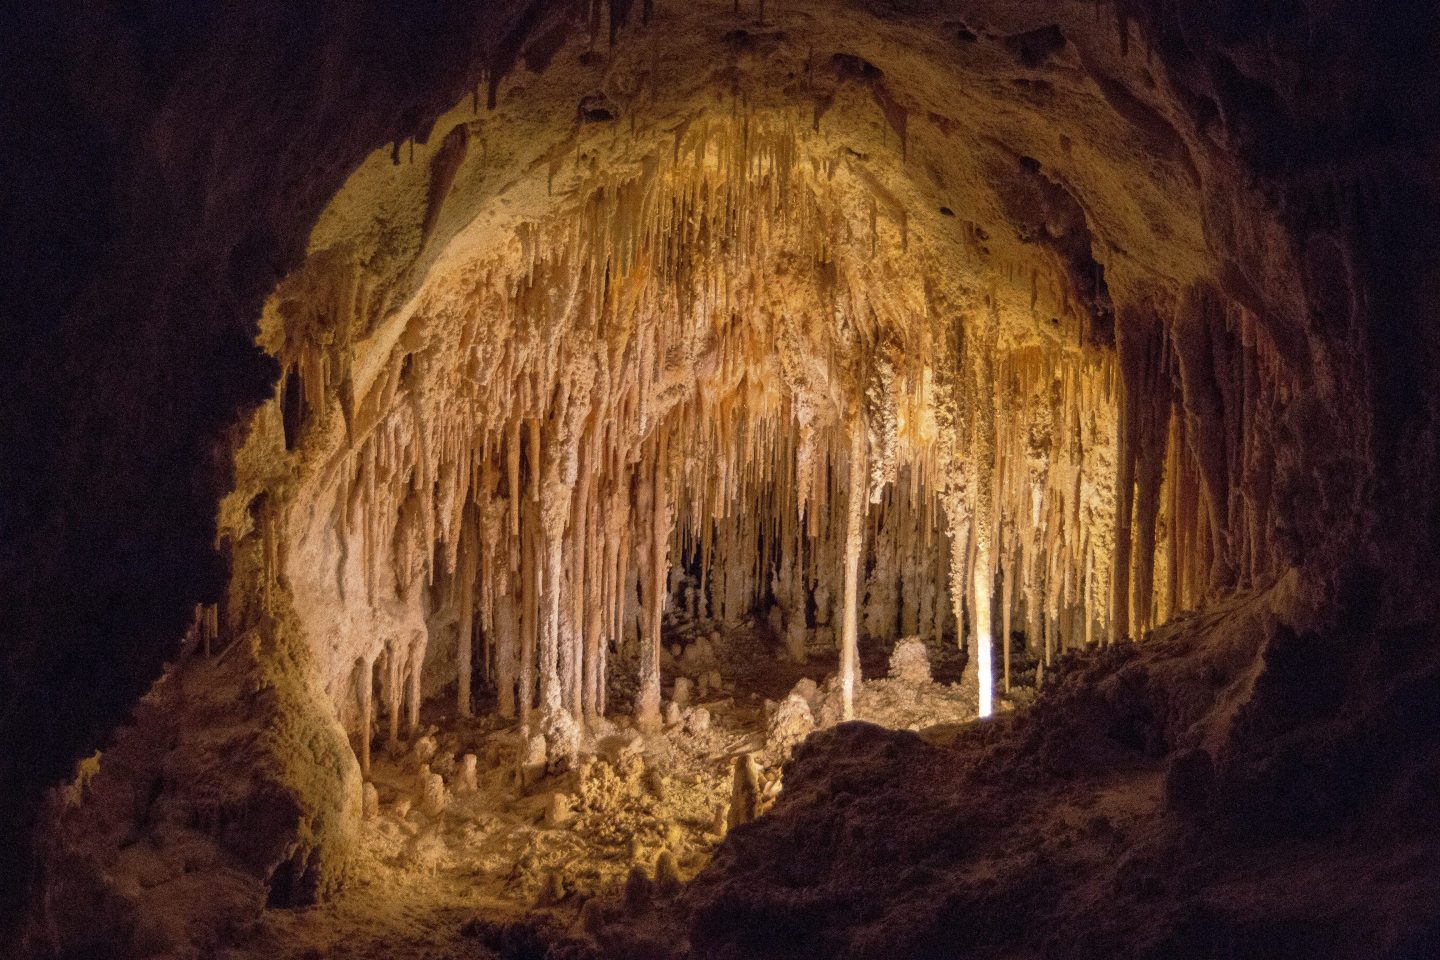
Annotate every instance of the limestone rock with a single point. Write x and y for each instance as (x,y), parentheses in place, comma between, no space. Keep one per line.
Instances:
(425,850)
(466,779)
(796,635)
(910,661)
(557,811)
(683,692)
(655,783)
(667,876)
(720,820)
(791,723)
(423,750)
(621,746)
(830,711)
(744,793)
(553,891)
(562,741)
(600,727)
(697,721)
(444,764)
(698,657)
(808,690)
(593,917)
(432,799)
(532,760)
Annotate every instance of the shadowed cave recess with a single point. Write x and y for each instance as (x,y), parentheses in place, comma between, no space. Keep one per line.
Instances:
(792,479)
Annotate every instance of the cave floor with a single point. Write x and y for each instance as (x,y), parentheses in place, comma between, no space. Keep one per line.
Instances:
(540,845)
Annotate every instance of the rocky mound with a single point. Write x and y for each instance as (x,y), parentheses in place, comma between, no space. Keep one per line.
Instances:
(1185,798)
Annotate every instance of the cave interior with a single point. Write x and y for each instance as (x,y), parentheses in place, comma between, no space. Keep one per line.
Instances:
(725,479)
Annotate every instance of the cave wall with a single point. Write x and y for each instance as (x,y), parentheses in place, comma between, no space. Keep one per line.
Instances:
(169,185)
(167,167)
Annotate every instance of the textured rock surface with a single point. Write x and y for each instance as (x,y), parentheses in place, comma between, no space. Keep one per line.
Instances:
(204,809)
(1084,826)
(909,661)
(790,724)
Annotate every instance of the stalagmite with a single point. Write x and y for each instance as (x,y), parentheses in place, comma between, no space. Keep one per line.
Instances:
(529,572)
(466,779)
(854,542)
(745,792)
(394,686)
(413,677)
(1007,605)
(367,709)
(463,665)
(647,698)
(667,876)
(432,796)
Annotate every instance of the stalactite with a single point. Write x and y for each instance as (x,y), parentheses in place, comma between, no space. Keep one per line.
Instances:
(366,670)
(857,481)
(466,600)
(394,688)
(415,656)
(529,572)
(647,699)
(1007,606)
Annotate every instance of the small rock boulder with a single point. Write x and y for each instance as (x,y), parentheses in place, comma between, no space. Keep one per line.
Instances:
(557,811)
(910,661)
(620,746)
(697,721)
(808,690)
(791,723)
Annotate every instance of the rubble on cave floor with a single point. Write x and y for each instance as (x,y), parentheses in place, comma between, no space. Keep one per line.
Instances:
(471,821)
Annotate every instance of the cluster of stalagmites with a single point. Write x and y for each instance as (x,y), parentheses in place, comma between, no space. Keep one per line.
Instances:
(614,794)
(617,791)
(906,698)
